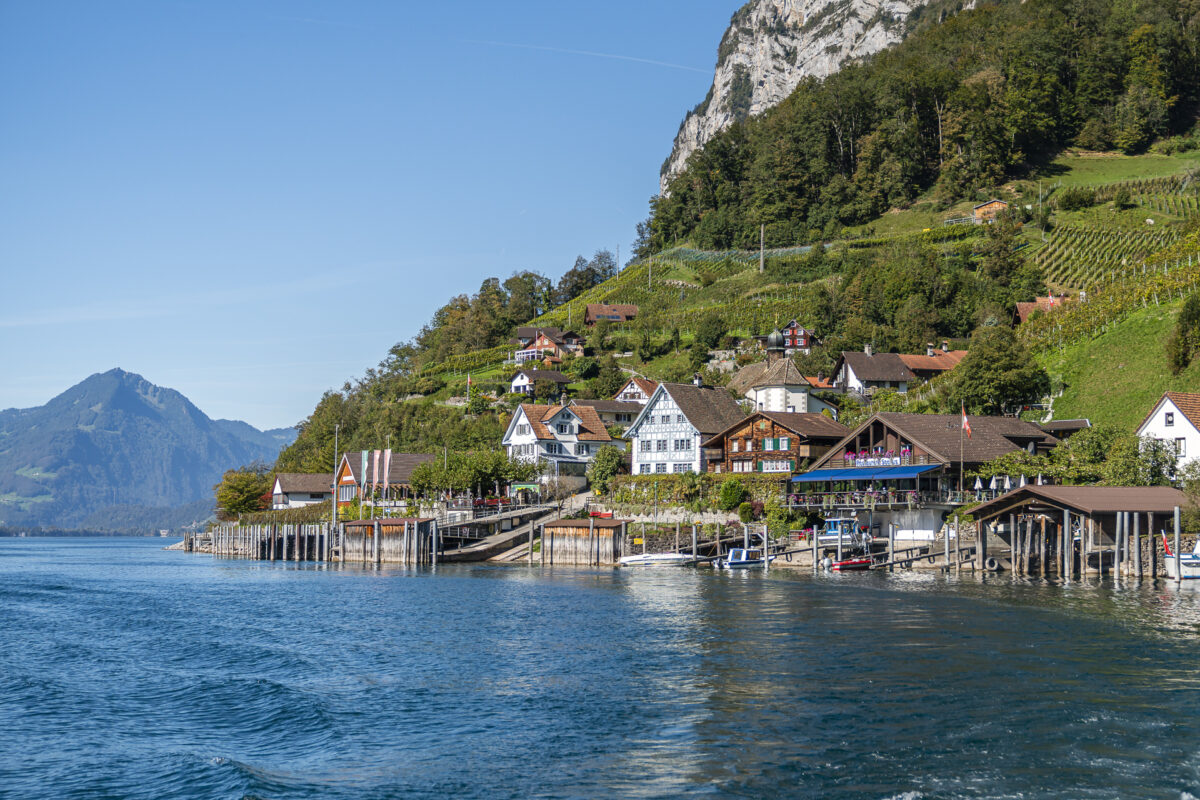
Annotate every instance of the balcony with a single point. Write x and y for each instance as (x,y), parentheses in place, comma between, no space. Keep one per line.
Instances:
(884,500)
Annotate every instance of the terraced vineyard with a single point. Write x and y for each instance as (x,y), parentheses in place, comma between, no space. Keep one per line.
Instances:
(1078,257)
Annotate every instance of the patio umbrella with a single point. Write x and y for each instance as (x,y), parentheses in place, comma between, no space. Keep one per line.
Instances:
(1039,483)
(1007,483)
(1023,481)
(978,484)
(992,484)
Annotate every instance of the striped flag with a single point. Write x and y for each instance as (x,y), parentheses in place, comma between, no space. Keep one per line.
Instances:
(387,468)
(375,472)
(362,479)
(966,426)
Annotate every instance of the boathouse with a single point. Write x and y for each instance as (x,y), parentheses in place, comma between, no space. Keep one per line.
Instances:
(904,469)
(393,540)
(584,542)
(1098,528)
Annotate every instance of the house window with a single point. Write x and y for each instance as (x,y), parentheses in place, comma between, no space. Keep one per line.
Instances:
(783,443)
(522,430)
(660,467)
(681,468)
(679,418)
(1170,419)
(661,445)
(768,444)
(733,445)
(582,449)
(645,469)
(564,427)
(552,448)
(1181,448)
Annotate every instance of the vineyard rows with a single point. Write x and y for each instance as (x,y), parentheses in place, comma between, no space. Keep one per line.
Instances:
(1180,183)
(1078,257)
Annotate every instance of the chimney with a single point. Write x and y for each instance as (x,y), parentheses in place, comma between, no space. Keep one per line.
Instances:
(867,348)
(945,345)
(697,380)
(562,398)
(820,376)
(929,348)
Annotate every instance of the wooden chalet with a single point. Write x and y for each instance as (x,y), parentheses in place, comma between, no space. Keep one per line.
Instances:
(905,468)
(987,212)
(772,442)
(613,312)
(934,361)
(350,476)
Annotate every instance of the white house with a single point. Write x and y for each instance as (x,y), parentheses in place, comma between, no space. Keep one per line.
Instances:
(636,390)
(779,387)
(525,380)
(1175,418)
(666,436)
(564,438)
(296,489)
(868,371)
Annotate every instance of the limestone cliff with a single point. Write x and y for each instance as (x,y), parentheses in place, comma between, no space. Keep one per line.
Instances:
(770,45)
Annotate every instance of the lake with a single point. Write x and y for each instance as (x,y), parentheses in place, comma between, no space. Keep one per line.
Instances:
(127,671)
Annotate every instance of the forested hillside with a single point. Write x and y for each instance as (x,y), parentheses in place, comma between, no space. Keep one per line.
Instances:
(954,110)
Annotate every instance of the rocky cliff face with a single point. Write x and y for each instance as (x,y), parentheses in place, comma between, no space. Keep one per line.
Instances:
(771,45)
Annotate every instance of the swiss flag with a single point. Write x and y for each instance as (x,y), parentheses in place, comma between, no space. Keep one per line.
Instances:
(966,426)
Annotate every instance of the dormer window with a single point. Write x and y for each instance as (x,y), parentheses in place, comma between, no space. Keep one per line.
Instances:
(564,427)
(1170,419)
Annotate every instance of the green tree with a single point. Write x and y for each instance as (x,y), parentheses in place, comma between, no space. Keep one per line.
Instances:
(709,331)
(606,465)
(610,379)
(545,390)
(996,371)
(731,495)
(243,490)
(1185,336)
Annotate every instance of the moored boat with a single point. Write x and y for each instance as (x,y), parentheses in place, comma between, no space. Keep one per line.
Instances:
(655,560)
(742,557)
(1185,566)
(856,564)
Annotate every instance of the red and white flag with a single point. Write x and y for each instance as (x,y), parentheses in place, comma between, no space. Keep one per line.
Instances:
(966,426)
(387,467)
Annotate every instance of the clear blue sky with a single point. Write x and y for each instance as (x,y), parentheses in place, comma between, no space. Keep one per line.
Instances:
(250,202)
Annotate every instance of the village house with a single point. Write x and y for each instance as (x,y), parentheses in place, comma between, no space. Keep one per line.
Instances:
(393,478)
(1065,428)
(1175,418)
(867,372)
(777,386)
(636,390)
(934,361)
(547,344)
(905,469)
(796,338)
(987,212)
(526,380)
(564,439)
(613,312)
(1045,305)
(666,437)
(612,412)
(770,442)
(297,489)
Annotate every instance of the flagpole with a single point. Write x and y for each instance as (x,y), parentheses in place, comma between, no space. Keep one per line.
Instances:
(961,449)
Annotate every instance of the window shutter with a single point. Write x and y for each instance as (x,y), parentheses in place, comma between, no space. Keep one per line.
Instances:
(758,465)
(792,464)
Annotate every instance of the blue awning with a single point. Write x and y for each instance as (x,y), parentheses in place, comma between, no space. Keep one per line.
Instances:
(866,474)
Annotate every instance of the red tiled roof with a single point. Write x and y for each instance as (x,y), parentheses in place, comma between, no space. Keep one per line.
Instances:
(1188,404)
(591,429)
(1043,304)
(940,361)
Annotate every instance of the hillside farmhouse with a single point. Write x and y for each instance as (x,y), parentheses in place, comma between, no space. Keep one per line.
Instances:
(525,380)
(563,438)
(667,436)
(772,442)
(636,390)
(1175,418)
(613,312)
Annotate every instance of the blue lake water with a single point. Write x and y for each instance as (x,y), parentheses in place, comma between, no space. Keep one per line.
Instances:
(130,672)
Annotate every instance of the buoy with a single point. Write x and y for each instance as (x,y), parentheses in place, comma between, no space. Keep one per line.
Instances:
(827,563)
(991,565)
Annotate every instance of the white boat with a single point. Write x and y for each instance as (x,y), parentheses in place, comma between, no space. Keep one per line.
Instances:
(845,528)
(741,557)
(1189,563)
(656,560)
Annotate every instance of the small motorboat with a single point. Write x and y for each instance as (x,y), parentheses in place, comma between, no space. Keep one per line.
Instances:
(1184,565)
(855,564)
(742,557)
(656,560)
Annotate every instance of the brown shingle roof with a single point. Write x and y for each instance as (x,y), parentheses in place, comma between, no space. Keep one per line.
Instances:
(402,465)
(781,372)
(591,429)
(545,375)
(1044,304)
(940,361)
(710,410)
(304,482)
(1090,499)
(1188,404)
(878,366)
(645,384)
(939,434)
(807,425)
(610,406)
(531,331)
(625,311)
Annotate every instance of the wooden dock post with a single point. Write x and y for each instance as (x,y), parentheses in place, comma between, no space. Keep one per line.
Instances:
(1137,546)
(1012,543)
(957,544)
(891,546)
(980,546)
(375,543)
(693,540)
(1118,556)
(745,536)
(643,538)
(815,536)
(1153,545)
(676,536)
(839,550)
(946,549)
(1178,554)
(592,542)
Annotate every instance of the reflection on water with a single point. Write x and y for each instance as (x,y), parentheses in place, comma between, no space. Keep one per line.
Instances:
(126,671)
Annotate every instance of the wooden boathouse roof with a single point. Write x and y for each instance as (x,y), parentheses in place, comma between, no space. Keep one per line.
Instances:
(1089,500)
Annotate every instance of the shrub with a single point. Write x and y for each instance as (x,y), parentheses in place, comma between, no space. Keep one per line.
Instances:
(1075,198)
(732,494)
(746,512)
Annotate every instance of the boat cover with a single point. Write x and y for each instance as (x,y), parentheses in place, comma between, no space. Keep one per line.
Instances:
(865,474)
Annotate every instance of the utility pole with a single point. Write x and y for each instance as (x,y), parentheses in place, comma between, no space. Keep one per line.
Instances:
(762,247)
(336,463)
(650,273)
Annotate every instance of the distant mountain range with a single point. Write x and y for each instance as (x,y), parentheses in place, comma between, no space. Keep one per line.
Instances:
(117,453)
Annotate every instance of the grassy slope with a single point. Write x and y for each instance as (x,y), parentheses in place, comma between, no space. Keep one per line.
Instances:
(1115,378)
(1108,168)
